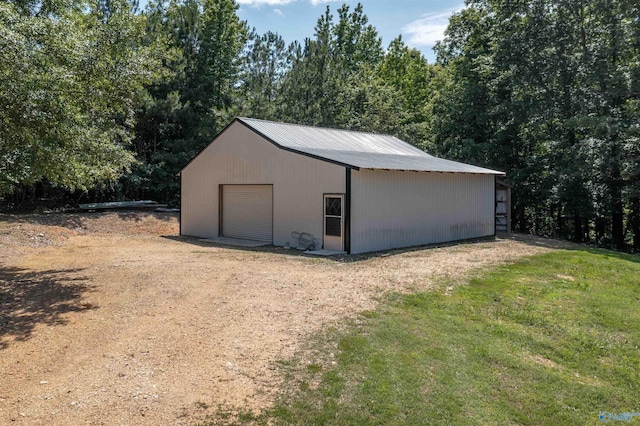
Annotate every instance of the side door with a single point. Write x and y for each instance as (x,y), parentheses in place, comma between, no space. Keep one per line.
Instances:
(333,235)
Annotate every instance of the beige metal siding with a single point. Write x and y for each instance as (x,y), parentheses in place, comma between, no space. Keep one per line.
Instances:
(247,212)
(391,209)
(240,156)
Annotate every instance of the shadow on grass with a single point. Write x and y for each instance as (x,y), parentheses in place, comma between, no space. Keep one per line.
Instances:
(28,299)
(613,254)
(550,243)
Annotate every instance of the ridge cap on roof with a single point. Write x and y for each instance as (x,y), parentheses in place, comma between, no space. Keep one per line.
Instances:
(419,153)
(320,127)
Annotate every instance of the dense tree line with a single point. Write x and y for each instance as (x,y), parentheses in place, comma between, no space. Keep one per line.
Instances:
(549,92)
(115,104)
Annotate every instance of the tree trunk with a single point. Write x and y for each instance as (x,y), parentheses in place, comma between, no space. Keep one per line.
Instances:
(617,211)
(586,236)
(519,219)
(600,229)
(635,223)
(577,232)
(617,222)
(559,220)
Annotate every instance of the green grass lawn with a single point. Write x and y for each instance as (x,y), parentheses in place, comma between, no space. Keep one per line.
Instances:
(552,339)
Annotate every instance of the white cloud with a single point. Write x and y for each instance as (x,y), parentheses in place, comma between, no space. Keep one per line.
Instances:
(258,3)
(317,2)
(278,12)
(430,28)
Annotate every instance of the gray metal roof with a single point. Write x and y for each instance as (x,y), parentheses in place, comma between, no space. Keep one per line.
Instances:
(357,150)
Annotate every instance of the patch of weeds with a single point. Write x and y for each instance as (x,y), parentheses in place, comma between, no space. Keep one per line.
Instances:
(201,405)
(319,260)
(314,368)
(369,314)
(286,362)
(304,386)
(230,417)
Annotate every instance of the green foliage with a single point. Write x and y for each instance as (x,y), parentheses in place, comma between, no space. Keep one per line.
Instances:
(182,113)
(407,73)
(326,67)
(210,69)
(542,90)
(343,78)
(265,62)
(548,340)
(221,40)
(70,76)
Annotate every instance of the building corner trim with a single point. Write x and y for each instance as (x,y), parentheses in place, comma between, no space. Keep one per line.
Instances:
(347,211)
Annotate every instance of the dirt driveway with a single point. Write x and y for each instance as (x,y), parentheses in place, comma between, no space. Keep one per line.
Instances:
(113,319)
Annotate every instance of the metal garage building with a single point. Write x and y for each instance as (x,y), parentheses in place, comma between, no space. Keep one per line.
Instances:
(355,192)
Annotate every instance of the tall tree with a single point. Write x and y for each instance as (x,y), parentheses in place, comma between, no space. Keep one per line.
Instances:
(222,37)
(264,63)
(542,90)
(184,111)
(413,79)
(310,84)
(70,74)
(321,67)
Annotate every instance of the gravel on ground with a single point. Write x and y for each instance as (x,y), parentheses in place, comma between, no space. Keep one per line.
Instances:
(112,318)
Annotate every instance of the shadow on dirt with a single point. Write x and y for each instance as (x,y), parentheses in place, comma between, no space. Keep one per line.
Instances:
(79,220)
(343,258)
(138,216)
(31,298)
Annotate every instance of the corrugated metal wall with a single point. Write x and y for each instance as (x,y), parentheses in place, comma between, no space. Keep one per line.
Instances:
(240,156)
(391,209)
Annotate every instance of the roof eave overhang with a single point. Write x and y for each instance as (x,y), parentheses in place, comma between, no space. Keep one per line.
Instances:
(488,172)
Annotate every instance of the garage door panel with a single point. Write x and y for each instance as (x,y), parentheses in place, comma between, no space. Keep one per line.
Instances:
(247,212)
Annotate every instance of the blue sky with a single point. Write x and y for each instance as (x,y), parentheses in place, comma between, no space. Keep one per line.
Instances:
(421,22)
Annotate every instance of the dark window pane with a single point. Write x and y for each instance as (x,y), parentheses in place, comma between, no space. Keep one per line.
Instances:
(333,207)
(332,226)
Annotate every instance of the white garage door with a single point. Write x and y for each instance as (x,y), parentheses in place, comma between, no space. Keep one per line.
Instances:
(247,212)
